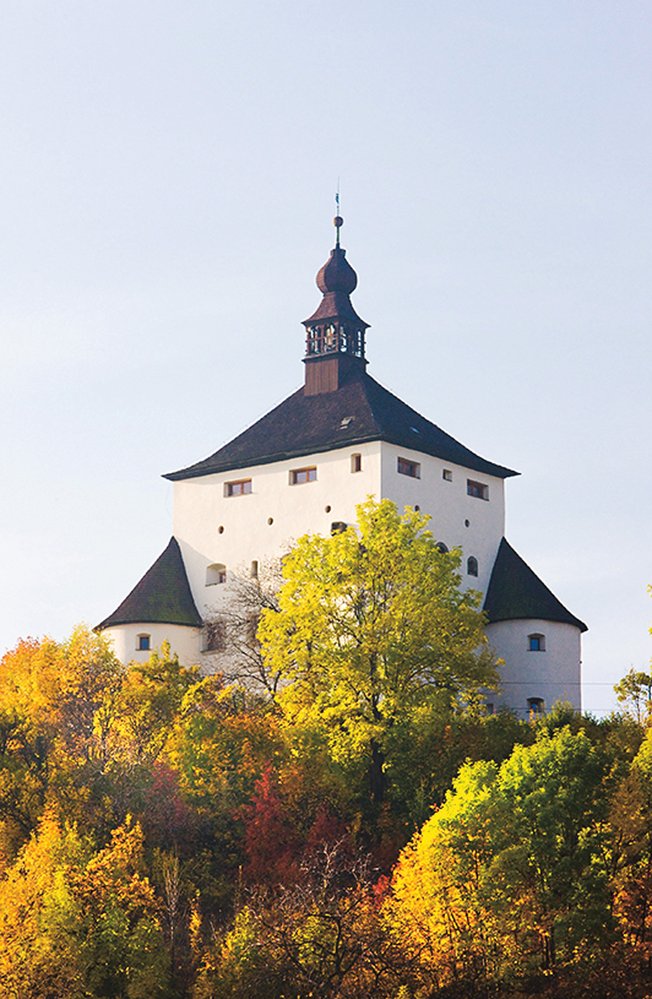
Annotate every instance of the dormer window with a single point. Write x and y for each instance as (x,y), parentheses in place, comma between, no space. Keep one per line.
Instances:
(301,475)
(242,487)
(406,467)
(478,489)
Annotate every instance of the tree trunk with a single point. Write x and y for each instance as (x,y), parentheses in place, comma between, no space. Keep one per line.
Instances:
(376,775)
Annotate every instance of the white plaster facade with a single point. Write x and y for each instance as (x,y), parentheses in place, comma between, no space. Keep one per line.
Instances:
(549,674)
(234,531)
(124,639)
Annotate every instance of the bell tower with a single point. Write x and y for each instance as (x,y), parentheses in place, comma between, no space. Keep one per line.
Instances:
(335,334)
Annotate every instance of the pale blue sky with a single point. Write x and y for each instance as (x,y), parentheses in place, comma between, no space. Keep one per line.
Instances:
(167,173)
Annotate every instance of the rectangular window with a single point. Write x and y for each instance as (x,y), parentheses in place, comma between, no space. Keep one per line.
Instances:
(251,628)
(406,467)
(215,637)
(477,489)
(356,462)
(447,475)
(299,475)
(143,643)
(240,488)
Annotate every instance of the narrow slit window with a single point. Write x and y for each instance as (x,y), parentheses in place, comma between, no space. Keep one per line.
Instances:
(406,467)
(253,572)
(242,487)
(478,489)
(301,475)
(356,462)
(472,566)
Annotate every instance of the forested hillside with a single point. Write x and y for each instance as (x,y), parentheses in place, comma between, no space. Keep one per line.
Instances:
(359,828)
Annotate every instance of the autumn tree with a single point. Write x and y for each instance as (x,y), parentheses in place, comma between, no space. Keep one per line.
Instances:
(635,692)
(373,633)
(78,921)
(511,876)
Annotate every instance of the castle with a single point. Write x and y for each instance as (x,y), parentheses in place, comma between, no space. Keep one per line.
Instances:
(302,468)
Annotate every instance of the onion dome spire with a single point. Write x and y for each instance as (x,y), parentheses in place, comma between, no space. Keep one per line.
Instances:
(335,328)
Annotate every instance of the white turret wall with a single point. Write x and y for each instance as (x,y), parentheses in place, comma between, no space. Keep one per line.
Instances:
(184,640)
(552,674)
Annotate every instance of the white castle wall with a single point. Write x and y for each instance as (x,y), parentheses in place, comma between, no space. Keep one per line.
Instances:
(201,509)
(552,675)
(450,507)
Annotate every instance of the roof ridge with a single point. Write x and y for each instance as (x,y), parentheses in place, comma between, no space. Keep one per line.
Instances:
(308,424)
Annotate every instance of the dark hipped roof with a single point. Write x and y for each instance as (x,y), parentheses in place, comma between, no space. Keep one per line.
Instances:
(515,591)
(161,597)
(360,410)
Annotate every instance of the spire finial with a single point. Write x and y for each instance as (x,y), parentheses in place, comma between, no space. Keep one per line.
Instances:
(338,221)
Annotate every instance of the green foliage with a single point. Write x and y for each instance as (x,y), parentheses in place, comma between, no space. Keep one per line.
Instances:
(635,692)
(373,634)
(511,874)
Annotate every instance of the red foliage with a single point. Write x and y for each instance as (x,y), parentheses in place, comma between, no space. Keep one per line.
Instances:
(166,820)
(329,830)
(271,842)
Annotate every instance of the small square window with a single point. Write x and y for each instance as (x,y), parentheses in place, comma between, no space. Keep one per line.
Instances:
(240,488)
(477,489)
(144,643)
(300,475)
(535,705)
(536,643)
(447,475)
(406,467)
